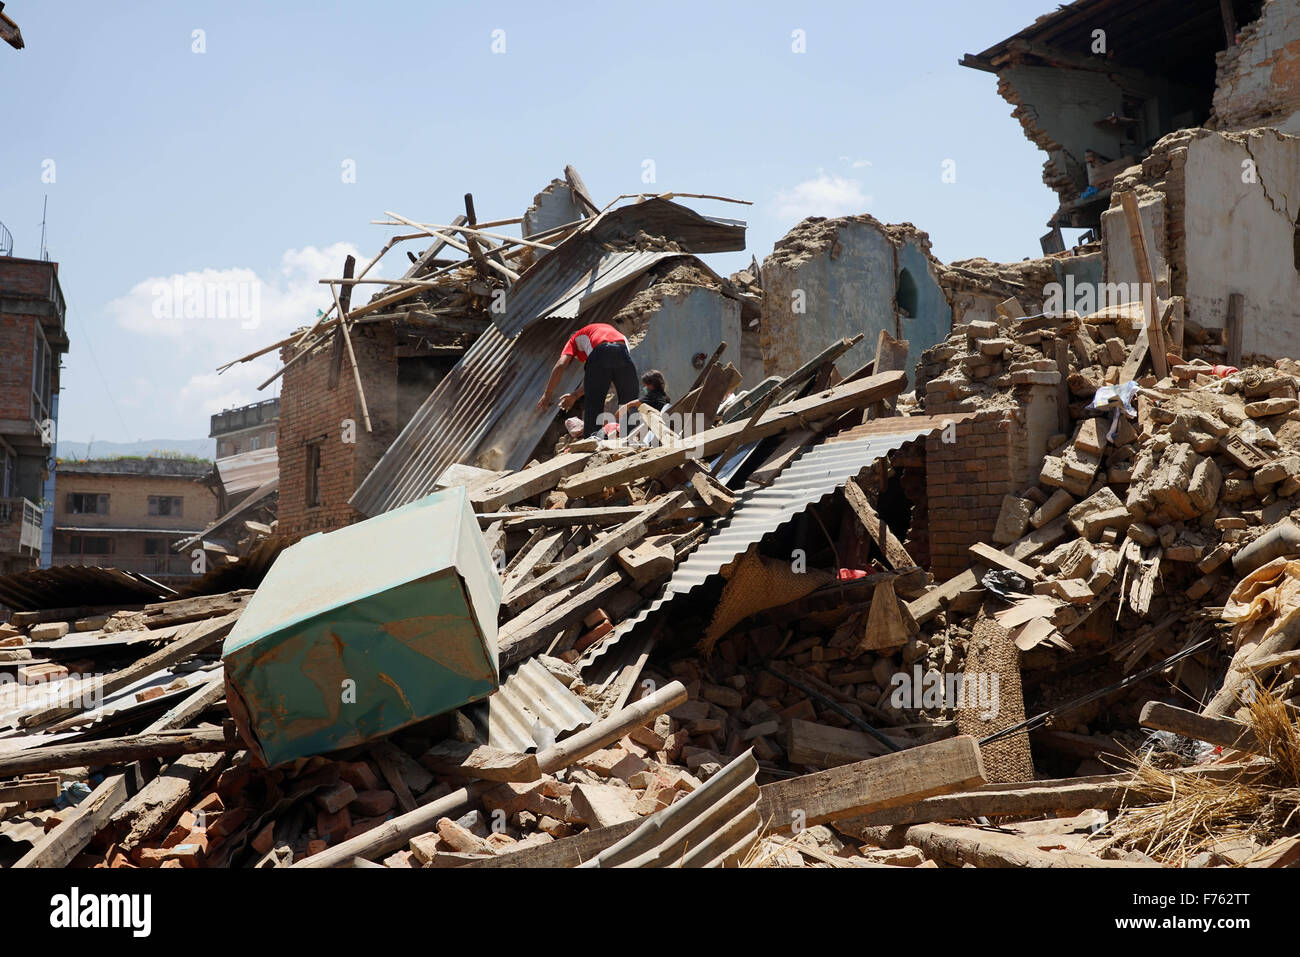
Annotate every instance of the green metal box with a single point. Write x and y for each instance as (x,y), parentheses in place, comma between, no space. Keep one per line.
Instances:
(358,632)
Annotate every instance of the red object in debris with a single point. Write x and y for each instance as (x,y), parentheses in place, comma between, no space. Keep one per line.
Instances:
(848,574)
(1224,371)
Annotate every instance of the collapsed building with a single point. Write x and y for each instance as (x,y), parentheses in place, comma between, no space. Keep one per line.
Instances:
(942,543)
(1097,83)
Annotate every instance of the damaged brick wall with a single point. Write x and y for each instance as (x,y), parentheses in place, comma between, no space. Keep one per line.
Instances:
(969,469)
(1221,209)
(314,414)
(1259,78)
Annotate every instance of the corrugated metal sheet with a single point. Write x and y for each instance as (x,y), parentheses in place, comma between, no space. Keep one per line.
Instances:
(715,826)
(812,476)
(612,272)
(248,470)
(482,412)
(531,695)
(75,586)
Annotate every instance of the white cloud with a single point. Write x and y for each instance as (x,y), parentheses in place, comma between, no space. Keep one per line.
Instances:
(186,324)
(859,164)
(824,195)
(234,306)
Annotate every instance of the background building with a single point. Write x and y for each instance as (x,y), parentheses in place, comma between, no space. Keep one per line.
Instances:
(246,429)
(127,513)
(32,337)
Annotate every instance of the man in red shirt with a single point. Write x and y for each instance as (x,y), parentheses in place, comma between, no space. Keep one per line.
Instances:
(605,359)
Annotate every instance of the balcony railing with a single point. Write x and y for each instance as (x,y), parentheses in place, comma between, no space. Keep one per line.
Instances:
(27,515)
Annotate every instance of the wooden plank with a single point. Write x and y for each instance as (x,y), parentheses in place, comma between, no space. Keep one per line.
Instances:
(185,610)
(1106,792)
(1146,275)
(160,801)
(478,761)
(1234,328)
(792,445)
(777,419)
(543,550)
(891,356)
(608,545)
(931,603)
(166,744)
(821,746)
(716,497)
(527,482)
(958,846)
(518,639)
(33,790)
(989,555)
(1135,357)
(561,517)
(872,785)
(1224,732)
(885,539)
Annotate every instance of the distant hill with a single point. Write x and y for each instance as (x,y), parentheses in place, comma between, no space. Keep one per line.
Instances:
(203,448)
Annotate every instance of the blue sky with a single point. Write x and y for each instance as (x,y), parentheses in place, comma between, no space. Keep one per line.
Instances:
(229,163)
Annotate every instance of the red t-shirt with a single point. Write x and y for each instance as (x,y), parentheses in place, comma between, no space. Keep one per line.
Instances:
(587,338)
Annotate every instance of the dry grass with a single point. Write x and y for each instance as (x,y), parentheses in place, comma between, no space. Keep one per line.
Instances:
(1196,811)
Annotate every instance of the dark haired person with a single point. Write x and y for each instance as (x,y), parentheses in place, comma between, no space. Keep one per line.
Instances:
(654,391)
(605,359)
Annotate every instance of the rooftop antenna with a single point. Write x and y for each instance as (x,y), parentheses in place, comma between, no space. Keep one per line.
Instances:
(45,255)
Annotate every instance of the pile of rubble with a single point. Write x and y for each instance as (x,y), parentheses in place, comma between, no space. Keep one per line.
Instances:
(708,639)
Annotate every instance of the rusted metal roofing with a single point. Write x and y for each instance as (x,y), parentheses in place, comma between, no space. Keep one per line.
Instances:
(75,586)
(614,271)
(715,826)
(531,698)
(248,470)
(482,413)
(815,474)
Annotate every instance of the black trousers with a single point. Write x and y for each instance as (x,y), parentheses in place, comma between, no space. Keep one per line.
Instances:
(608,363)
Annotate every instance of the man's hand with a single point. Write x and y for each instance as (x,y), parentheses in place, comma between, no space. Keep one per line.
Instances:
(567,401)
(544,403)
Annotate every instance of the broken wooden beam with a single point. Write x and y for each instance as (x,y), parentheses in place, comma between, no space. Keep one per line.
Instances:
(872,785)
(1224,732)
(166,744)
(957,846)
(36,790)
(527,482)
(586,559)
(1106,792)
(881,534)
(564,517)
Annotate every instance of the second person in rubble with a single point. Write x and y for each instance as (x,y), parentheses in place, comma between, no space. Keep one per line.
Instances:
(606,361)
